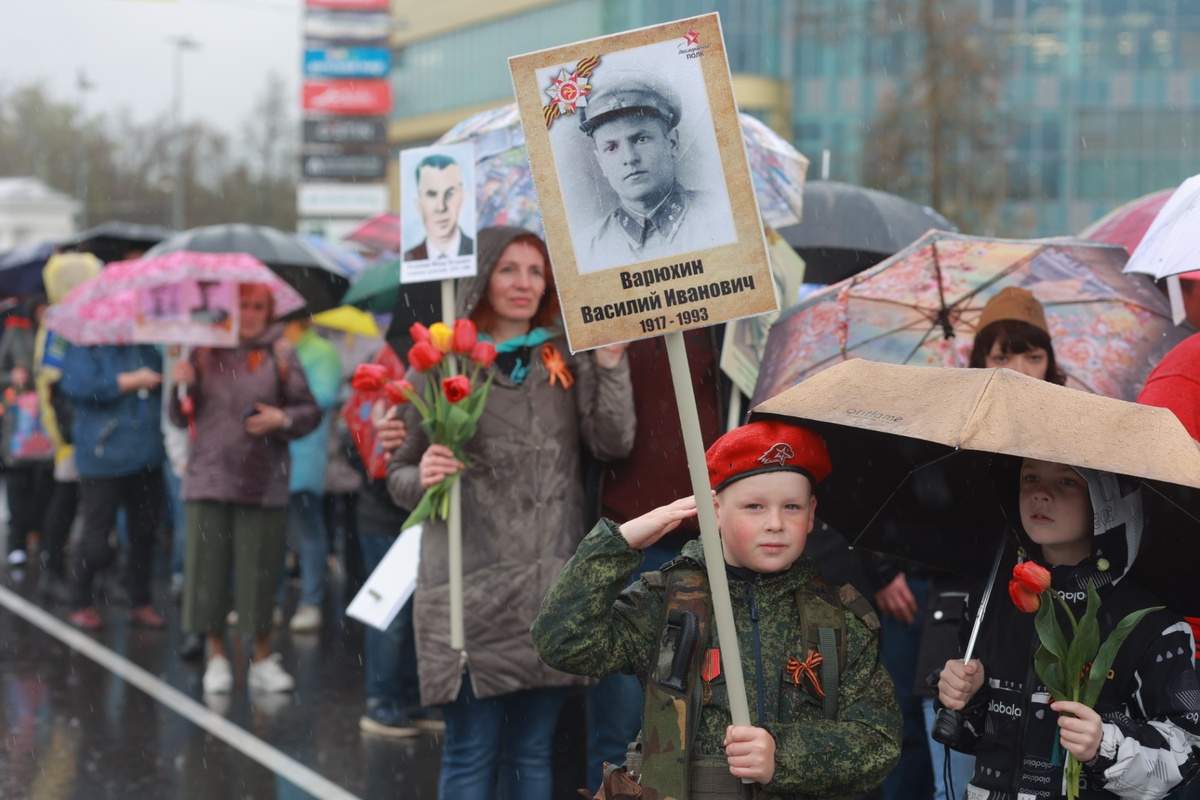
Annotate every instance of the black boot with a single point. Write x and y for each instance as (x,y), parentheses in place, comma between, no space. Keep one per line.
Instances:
(192,647)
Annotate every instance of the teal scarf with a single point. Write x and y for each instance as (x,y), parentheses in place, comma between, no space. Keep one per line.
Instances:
(514,357)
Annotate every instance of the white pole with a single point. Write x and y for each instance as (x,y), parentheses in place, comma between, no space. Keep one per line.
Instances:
(454,523)
(731,661)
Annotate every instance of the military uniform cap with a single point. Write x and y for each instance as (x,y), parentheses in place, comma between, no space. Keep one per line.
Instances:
(624,93)
(767,446)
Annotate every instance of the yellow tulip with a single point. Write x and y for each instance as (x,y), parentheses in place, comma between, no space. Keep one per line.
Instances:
(441,336)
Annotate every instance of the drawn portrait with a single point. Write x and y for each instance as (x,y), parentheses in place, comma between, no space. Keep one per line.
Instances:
(437,212)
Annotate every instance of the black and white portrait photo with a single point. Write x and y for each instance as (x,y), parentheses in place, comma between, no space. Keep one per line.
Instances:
(437,195)
(638,163)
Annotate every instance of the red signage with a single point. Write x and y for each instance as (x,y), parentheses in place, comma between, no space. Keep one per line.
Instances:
(351,5)
(348,97)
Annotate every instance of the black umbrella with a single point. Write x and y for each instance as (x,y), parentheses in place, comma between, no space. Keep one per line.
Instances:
(926,462)
(21,269)
(848,228)
(114,240)
(315,277)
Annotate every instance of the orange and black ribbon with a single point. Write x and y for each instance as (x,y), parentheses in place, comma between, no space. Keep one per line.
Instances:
(808,669)
(557,366)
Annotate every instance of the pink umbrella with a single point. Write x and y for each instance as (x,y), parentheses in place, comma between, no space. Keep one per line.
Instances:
(103,310)
(1128,224)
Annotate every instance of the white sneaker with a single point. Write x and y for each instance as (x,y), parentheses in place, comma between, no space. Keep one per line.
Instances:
(268,676)
(307,619)
(218,676)
(17,558)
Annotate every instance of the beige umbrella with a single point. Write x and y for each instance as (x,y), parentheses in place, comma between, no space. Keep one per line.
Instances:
(917,452)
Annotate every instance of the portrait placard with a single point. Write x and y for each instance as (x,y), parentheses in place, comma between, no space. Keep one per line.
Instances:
(195,313)
(643,182)
(437,213)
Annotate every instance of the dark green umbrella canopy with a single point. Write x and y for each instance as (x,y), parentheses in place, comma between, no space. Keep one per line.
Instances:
(376,288)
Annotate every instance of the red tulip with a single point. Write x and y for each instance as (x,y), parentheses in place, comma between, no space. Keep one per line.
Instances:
(483,354)
(395,391)
(1033,578)
(369,377)
(456,388)
(1022,598)
(465,336)
(418,332)
(424,356)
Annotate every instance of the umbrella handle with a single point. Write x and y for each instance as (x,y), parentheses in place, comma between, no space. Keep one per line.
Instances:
(947,728)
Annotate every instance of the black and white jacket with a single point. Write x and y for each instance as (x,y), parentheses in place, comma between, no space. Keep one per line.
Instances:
(1150,705)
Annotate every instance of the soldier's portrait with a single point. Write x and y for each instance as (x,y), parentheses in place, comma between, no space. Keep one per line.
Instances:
(638,163)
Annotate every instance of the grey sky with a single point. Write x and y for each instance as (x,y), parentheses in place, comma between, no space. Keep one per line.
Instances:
(124,47)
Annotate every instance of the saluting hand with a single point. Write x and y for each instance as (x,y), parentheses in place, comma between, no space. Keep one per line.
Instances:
(643,531)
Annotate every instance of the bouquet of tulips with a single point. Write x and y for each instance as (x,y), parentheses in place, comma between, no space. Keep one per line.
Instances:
(1073,669)
(453,399)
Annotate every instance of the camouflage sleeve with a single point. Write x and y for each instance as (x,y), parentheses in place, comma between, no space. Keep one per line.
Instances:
(855,752)
(589,623)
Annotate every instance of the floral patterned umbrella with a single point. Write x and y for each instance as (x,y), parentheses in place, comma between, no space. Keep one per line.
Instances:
(921,306)
(504,193)
(103,310)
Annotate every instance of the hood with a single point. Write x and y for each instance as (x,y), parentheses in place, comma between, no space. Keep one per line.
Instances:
(1117,533)
(65,271)
(489,244)
(266,338)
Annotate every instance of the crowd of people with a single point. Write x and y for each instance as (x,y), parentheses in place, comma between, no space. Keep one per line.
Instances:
(228,449)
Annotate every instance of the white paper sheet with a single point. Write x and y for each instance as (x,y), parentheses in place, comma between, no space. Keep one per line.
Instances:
(391,584)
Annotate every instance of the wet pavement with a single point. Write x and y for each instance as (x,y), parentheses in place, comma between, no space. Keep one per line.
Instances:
(118,715)
(137,724)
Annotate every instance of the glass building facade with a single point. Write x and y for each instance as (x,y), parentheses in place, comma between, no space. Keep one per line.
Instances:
(1101,98)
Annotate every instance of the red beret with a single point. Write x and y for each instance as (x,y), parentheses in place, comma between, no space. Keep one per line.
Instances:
(767,446)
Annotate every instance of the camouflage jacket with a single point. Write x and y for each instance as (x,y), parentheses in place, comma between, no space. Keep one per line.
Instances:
(590,624)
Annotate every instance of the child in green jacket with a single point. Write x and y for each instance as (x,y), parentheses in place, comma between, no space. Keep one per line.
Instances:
(818,729)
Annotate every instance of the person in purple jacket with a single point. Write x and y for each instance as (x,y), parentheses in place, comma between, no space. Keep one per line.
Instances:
(249,402)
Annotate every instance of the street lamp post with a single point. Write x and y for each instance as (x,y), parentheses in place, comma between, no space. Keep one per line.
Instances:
(81,159)
(181,43)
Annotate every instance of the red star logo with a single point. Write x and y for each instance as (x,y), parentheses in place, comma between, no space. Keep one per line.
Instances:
(691,37)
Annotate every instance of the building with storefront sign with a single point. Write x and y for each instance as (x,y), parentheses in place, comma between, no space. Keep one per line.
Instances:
(1101,97)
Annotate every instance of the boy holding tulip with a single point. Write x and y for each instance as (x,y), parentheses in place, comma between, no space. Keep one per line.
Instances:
(1137,734)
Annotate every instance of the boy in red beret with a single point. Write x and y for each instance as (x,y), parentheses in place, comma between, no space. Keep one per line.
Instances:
(825,721)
